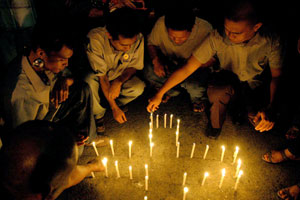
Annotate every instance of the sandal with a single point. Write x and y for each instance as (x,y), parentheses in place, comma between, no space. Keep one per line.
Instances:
(292,133)
(199,107)
(269,157)
(289,193)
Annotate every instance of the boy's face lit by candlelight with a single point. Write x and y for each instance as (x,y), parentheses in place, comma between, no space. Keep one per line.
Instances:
(178,37)
(123,44)
(241,31)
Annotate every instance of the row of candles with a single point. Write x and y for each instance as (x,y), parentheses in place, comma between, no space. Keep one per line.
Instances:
(177,152)
(238,172)
(165,121)
(238,175)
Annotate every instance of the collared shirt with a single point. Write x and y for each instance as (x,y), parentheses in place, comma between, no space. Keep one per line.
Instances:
(159,37)
(31,96)
(246,60)
(105,60)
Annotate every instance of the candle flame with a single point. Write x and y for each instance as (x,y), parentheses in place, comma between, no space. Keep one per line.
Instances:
(206,174)
(111,142)
(223,148)
(152,144)
(186,189)
(104,161)
(146,166)
(116,162)
(130,167)
(223,172)
(130,143)
(240,173)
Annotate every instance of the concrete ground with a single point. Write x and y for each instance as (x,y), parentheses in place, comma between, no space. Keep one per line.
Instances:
(259,181)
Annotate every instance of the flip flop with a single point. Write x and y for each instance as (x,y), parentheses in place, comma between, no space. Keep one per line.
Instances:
(285,194)
(267,157)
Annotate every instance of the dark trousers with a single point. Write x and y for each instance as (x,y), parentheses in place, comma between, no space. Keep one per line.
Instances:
(224,89)
(76,111)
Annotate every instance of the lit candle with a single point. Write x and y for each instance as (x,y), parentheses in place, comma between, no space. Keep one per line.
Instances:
(177,137)
(193,149)
(165,120)
(185,190)
(145,197)
(117,169)
(206,174)
(178,122)
(146,170)
(94,145)
(93,175)
(235,154)
(157,121)
(238,179)
(150,125)
(171,120)
(184,178)
(150,136)
(151,119)
(112,147)
(104,162)
(178,146)
(238,167)
(205,153)
(151,147)
(130,172)
(146,183)
(223,152)
(130,143)
(222,178)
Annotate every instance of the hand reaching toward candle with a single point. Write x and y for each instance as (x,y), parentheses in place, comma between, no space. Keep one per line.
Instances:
(96,165)
(154,103)
(119,115)
(263,123)
(81,171)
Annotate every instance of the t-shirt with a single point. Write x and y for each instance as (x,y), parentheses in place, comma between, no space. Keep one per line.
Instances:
(159,37)
(105,60)
(246,60)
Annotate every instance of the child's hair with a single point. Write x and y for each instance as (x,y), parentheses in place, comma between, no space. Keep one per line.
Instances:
(51,37)
(242,10)
(123,21)
(180,19)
